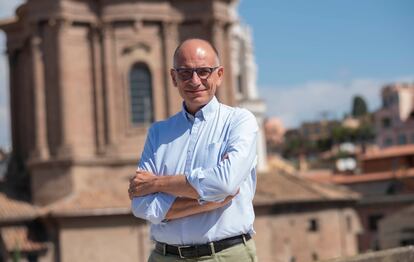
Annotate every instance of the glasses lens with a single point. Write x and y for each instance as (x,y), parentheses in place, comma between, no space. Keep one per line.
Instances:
(203,72)
(185,74)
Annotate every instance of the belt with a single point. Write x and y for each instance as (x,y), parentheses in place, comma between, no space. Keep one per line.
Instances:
(201,250)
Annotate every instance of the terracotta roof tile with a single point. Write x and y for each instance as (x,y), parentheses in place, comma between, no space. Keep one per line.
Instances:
(326,177)
(282,188)
(15,210)
(389,152)
(16,238)
(93,202)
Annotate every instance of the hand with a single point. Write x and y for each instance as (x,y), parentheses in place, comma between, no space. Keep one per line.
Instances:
(141,184)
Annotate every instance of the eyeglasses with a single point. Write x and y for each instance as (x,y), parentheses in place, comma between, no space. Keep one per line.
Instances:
(202,72)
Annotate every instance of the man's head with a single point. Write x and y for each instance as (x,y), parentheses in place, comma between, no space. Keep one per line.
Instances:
(197,73)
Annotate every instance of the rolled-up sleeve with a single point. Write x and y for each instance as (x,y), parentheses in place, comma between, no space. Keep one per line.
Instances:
(153,207)
(216,183)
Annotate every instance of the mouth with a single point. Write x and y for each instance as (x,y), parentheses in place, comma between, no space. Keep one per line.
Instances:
(196,91)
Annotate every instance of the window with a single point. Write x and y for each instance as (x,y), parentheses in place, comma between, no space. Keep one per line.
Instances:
(32,258)
(313,225)
(141,94)
(373,221)
(349,223)
(387,141)
(402,139)
(407,242)
(240,84)
(386,122)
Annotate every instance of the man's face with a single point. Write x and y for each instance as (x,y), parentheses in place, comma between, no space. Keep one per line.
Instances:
(195,88)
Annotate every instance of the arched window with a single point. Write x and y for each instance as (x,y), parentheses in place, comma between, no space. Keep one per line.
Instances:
(141,94)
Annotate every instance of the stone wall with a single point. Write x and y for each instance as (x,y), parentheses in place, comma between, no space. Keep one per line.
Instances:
(402,254)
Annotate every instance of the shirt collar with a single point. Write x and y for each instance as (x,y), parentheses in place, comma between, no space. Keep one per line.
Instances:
(205,112)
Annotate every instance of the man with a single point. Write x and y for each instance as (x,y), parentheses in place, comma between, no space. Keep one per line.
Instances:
(196,178)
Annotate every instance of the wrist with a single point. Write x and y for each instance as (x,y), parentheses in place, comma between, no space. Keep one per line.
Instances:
(159,184)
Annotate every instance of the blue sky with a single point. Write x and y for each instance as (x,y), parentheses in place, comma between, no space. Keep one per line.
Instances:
(298,41)
(312,56)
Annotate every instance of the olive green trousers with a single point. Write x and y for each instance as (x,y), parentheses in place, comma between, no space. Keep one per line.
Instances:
(238,253)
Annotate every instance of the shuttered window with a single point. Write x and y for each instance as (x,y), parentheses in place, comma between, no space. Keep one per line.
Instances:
(141,94)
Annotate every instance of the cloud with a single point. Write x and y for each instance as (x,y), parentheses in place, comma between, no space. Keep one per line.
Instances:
(308,101)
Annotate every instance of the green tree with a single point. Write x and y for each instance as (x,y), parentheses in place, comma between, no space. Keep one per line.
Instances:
(359,107)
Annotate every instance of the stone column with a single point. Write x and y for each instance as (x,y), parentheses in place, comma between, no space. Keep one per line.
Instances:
(108,57)
(41,150)
(99,108)
(221,40)
(59,28)
(170,42)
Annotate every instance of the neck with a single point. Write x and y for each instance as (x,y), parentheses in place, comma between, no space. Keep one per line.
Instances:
(192,110)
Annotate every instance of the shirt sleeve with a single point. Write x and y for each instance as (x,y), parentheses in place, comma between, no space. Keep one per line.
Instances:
(216,183)
(153,207)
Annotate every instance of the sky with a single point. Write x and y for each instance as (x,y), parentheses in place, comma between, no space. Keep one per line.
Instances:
(312,56)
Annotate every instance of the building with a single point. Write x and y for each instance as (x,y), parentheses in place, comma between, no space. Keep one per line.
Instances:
(398,229)
(386,186)
(318,130)
(394,121)
(275,134)
(300,220)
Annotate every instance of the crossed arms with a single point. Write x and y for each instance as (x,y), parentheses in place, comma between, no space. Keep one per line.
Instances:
(186,202)
(156,198)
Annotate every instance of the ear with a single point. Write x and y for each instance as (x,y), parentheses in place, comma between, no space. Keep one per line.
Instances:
(220,73)
(172,74)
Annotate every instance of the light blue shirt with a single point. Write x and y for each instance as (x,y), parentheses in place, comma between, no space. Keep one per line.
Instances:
(196,146)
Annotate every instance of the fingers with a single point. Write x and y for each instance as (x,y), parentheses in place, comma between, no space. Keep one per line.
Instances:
(132,178)
(130,193)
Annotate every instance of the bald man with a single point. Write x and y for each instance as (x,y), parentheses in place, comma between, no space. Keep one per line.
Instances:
(196,177)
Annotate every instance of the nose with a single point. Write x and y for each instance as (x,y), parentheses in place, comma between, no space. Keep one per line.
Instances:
(195,79)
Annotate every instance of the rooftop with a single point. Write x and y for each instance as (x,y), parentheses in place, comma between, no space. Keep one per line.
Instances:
(12,210)
(17,238)
(285,188)
(327,176)
(388,152)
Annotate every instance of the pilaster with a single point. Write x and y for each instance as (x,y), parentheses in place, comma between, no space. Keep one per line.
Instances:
(59,27)
(170,42)
(221,40)
(109,55)
(95,39)
(41,150)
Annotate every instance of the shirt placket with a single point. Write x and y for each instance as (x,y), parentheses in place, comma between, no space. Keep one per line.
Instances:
(194,133)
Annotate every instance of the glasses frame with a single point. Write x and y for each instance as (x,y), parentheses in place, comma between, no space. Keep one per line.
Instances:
(212,69)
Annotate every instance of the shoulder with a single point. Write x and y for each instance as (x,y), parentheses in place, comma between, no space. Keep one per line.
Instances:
(238,116)
(166,124)
(168,130)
